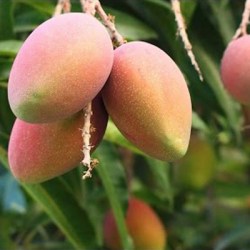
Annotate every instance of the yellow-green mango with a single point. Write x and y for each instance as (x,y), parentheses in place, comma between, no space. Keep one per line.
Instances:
(197,168)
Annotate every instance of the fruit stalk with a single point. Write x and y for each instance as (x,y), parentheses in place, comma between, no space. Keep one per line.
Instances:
(62,6)
(242,30)
(94,6)
(182,32)
(87,161)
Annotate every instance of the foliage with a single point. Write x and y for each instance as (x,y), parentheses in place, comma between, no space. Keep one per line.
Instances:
(66,212)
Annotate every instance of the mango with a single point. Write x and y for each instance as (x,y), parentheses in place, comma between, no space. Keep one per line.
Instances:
(60,68)
(235,73)
(148,100)
(39,152)
(143,224)
(197,168)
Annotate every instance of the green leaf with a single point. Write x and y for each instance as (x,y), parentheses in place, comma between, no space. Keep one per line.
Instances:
(6,23)
(130,27)
(160,173)
(113,135)
(211,75)
(223,19)
(112,175)
(40,5)
(188,8)
(232,190)
(62,208)
(10,47)
(198,123)
(12,196)
(5,66)
(4,157)
(237,235)
(5,238)
(3,85)
(163,22)
(7,118)
(26,21)
(65,211)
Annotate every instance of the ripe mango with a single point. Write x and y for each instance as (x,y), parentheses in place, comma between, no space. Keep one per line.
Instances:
(197,168)
(235,73)
(143,224)
(60,68)
(148,100)
(39,152)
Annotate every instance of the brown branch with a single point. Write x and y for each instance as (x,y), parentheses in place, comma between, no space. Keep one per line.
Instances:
(94,6)
(62,6)
(182,32)
(86,135)
(242,30)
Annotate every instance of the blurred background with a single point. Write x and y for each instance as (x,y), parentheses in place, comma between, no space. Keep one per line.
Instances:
(203,200)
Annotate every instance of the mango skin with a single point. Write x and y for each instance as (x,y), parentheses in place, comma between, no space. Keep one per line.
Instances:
(197,168)
(143,224)
(39,152)
(60,68)
(235,65)
(148,100)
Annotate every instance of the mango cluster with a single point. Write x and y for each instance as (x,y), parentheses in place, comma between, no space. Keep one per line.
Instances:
(66,63)
(143,224)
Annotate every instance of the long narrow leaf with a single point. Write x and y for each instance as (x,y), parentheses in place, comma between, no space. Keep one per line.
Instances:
(62,208)
(113,135)
(10,47)
(112,175)
(6,22)
(212,76)
(236,235)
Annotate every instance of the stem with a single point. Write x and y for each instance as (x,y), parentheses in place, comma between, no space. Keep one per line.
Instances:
(242,30)
(94,6)
(89,6)
(86,135)
(62,6)
(182,32)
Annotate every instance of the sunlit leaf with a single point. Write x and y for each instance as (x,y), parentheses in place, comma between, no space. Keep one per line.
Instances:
(198,123)
(113,135)
(10,47)
(40,5)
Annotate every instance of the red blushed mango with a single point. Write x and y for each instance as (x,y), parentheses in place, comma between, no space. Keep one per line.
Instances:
(60,68)
(147,98)
(235,69)
(143,224)
(38,152)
